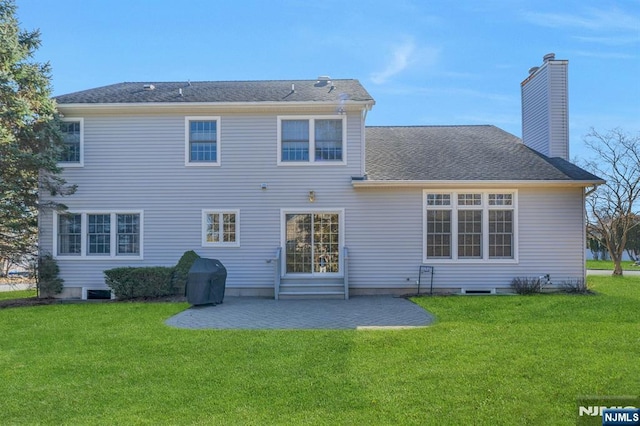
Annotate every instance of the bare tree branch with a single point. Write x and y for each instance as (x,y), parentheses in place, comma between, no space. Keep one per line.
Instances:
(612,210)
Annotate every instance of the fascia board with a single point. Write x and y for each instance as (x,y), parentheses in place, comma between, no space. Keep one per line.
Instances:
(172,106)
(474,183)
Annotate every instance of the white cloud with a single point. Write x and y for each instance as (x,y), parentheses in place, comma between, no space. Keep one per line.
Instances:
(405,57)
(589,19)
(611,41)
(402,56)
(602,55)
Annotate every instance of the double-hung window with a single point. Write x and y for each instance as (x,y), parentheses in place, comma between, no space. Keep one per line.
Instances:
(295,140)
(438,224)
(501,226)
(98,235)
(202,141)
(128,236)
(69,234)
(469,226)
(72,130)
(311,140)
(220,228)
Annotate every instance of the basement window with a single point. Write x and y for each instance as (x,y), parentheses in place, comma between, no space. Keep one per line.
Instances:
(96,294)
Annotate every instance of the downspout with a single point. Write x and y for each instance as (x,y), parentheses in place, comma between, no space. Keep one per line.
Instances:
(589,192)
(363,142)
(585,194)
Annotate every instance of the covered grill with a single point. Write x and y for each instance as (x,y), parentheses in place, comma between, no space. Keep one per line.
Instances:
(206,282)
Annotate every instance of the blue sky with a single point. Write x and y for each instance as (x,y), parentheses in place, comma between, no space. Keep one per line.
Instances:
(425,62)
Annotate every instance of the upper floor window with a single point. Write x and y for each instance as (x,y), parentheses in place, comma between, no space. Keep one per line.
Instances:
(295,140)
(73,141)
(311,140)
(202,141)
(470,225)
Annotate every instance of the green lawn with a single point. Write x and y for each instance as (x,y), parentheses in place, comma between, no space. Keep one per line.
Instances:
(487,360)
(4,295)
(627,265)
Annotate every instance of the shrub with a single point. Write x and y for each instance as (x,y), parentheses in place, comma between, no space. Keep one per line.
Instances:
(49,283)
(181,271)
(130,283)
(524,285)
(575,286)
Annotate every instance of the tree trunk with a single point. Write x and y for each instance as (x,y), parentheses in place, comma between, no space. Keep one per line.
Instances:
(617,267)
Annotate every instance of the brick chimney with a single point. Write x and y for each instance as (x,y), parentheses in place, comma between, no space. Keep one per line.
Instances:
(545,108)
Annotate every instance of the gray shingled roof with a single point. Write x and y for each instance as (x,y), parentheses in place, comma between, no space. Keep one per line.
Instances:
(223,91)
(429,153)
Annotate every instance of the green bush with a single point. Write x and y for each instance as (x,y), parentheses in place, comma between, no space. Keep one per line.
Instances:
(49,283)
(130,283)
(181,271)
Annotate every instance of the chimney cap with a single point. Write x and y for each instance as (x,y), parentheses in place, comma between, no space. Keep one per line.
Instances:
(549,57)
(533,69)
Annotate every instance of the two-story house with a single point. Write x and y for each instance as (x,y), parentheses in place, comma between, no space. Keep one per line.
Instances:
(284,184)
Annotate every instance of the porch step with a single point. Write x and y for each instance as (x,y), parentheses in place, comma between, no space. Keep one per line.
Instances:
(311,295)
(312,289)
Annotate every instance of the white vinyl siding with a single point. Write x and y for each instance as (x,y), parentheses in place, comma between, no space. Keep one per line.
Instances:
(545,110)
(387,255)
(382,227)
(173,196)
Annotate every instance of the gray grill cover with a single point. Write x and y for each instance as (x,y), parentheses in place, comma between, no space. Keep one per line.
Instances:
(206,282)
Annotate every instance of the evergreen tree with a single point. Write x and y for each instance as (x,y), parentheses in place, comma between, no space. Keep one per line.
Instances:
(30,140)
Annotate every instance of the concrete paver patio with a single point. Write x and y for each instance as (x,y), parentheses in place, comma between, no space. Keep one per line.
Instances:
(262,313)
